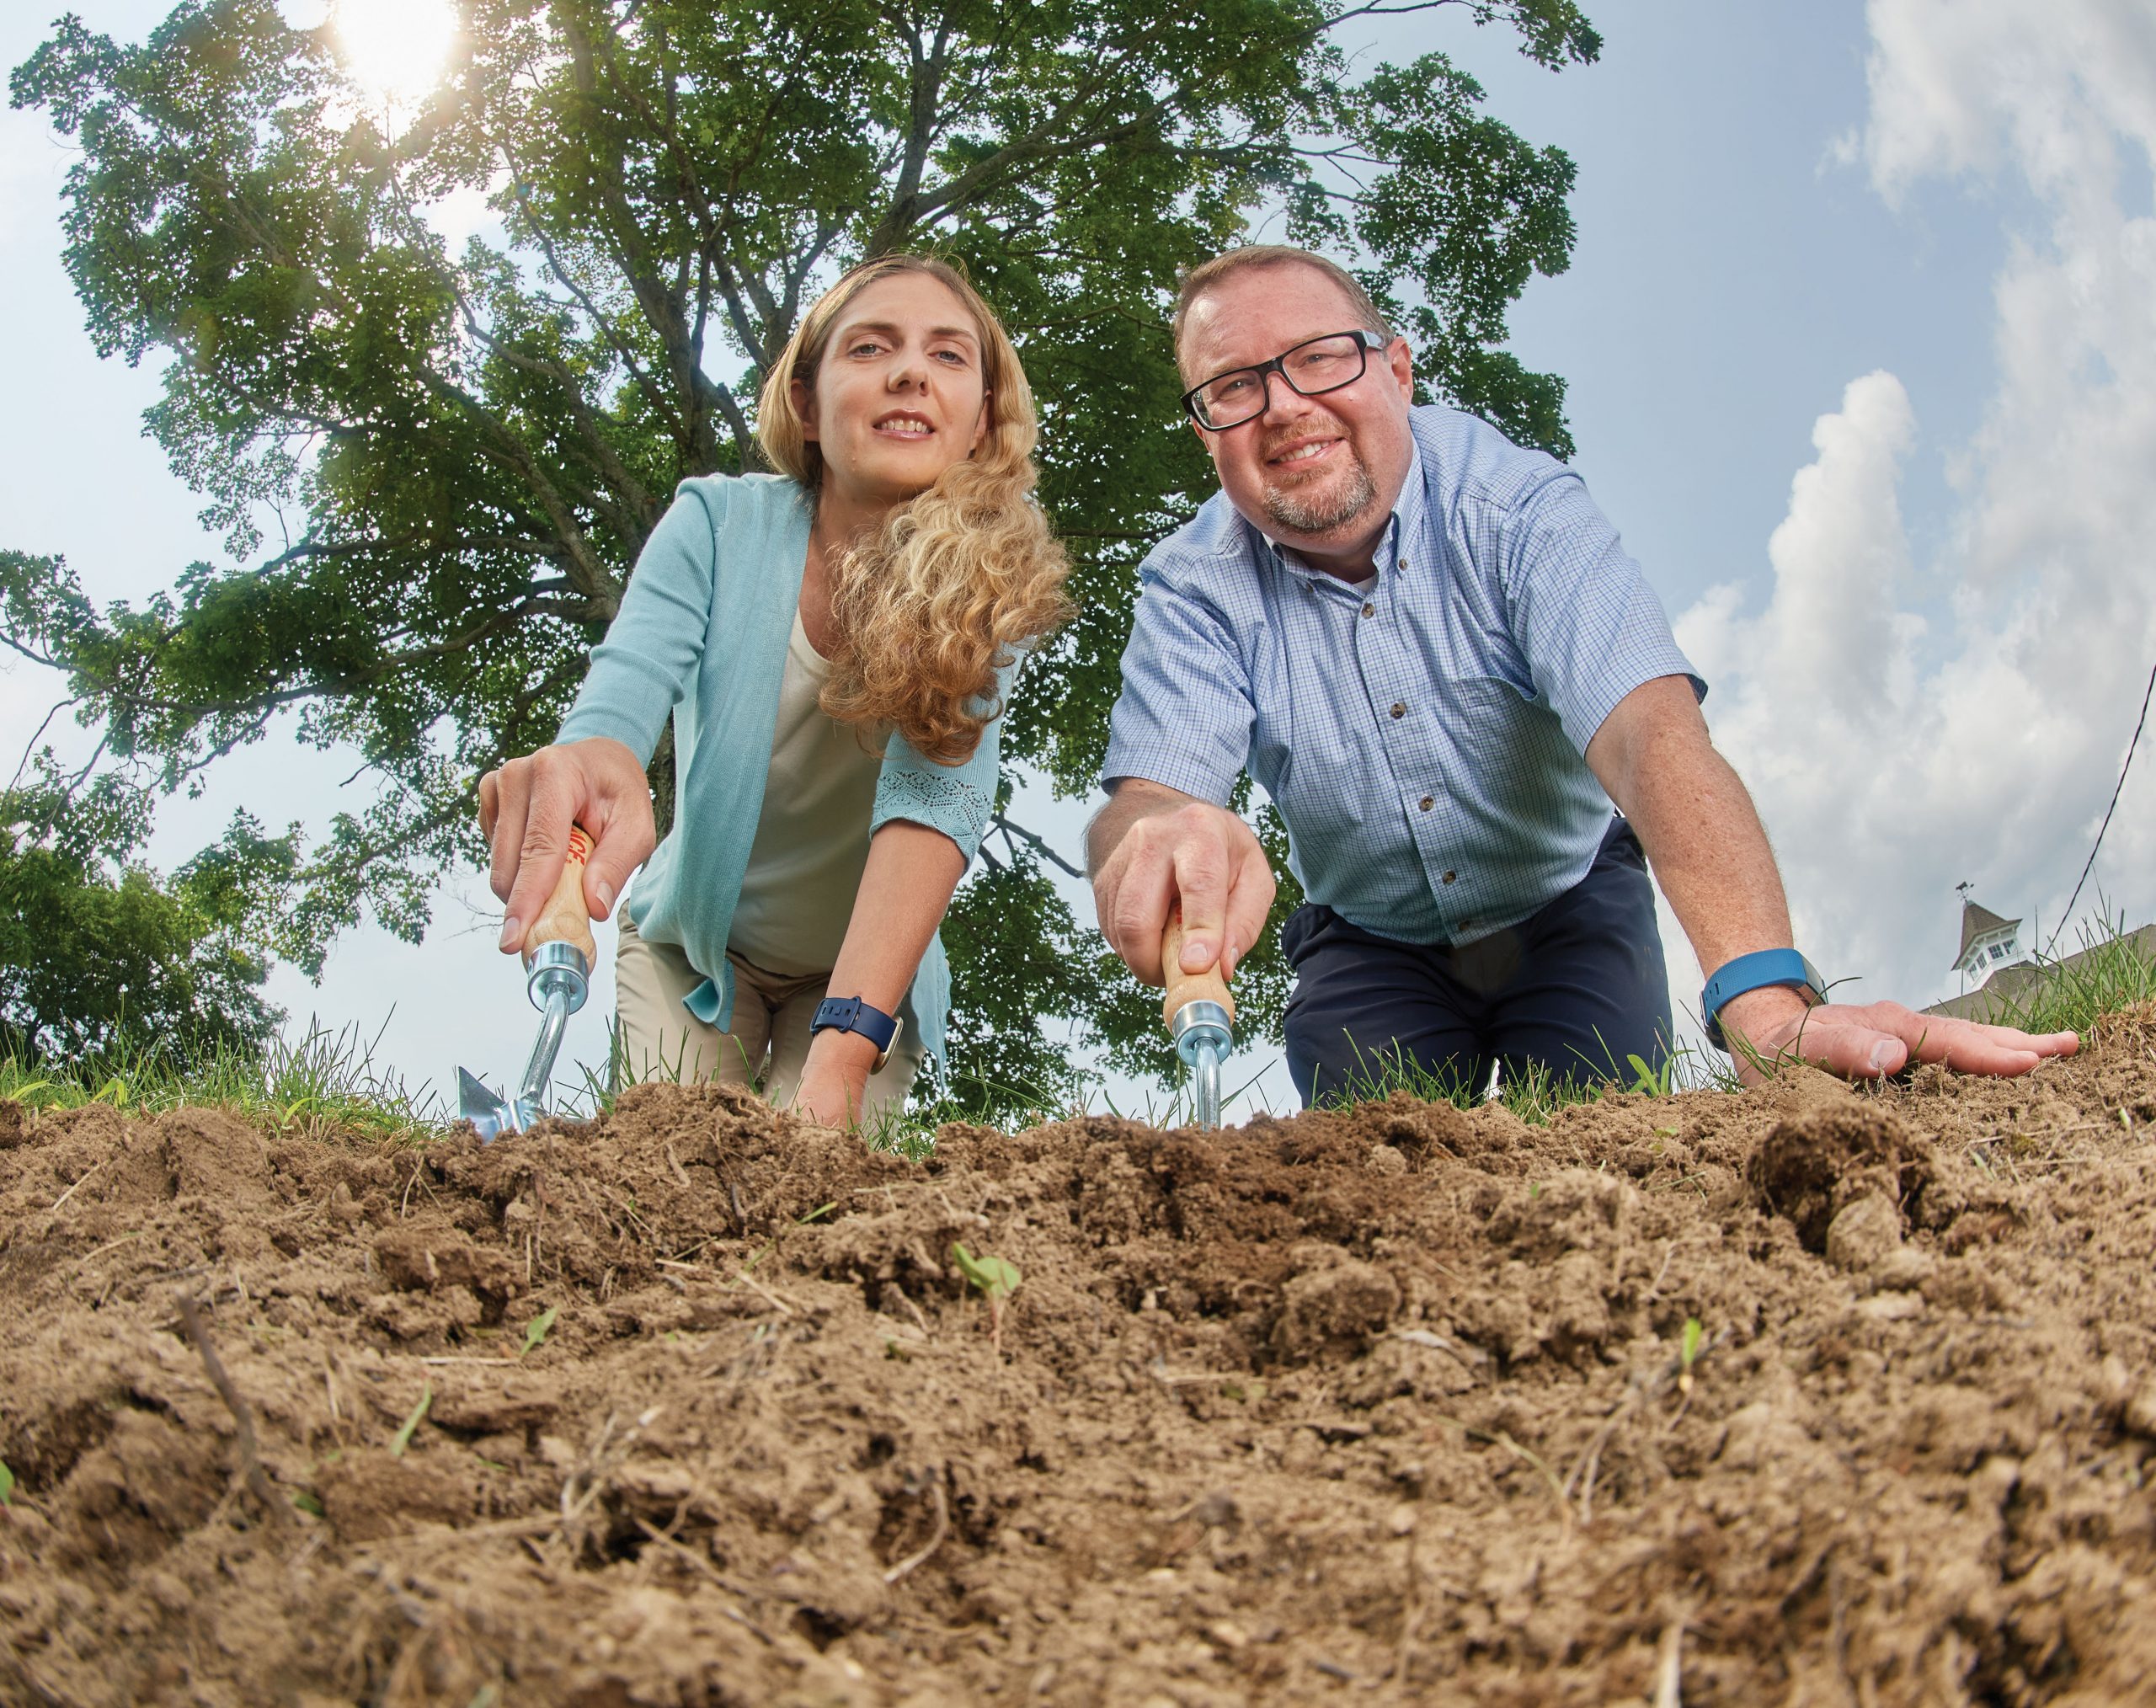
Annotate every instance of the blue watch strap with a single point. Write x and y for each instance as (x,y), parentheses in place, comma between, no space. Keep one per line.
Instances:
(1754,972)
(852,1014)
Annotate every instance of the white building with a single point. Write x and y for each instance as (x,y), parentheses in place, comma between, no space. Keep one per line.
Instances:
(1988,944)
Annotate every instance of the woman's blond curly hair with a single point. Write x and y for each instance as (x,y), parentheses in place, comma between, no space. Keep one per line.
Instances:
(959,576)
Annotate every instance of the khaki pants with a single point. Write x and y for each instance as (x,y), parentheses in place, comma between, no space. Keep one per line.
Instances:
(767,1046)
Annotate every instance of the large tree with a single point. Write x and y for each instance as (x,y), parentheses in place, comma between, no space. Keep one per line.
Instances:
(100,957)
(464,449)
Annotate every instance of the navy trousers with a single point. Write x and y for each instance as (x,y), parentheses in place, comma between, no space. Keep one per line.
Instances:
(1575,989)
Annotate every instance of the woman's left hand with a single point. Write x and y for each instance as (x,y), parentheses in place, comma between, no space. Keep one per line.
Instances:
(835,1079)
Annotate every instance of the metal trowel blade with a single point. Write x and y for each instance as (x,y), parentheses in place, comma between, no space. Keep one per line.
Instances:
(1205,1076)
(489,1114)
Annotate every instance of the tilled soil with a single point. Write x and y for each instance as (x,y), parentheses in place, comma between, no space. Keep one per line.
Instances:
(1387,1405)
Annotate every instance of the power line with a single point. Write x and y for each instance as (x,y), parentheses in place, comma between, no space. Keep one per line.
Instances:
(2108,811)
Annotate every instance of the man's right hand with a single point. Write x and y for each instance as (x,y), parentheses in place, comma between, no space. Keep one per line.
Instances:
(1151,846)
(526,808)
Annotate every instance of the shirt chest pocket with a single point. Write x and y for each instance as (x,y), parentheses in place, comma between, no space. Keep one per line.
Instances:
(1508,747)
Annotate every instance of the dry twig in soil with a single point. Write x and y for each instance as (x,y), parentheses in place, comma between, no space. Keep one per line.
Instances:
(1525,1455)
(258,1479)
(1669,1671)
(943,1508)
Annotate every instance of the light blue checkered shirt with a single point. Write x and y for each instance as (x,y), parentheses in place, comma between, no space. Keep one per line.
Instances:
(1422,739)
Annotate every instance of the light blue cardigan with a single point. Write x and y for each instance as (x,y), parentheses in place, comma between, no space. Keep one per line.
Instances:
(702,634)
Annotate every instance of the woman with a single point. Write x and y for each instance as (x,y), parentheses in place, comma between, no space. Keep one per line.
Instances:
(835,645)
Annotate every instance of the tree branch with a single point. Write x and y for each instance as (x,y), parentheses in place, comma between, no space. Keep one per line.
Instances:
(1039,844)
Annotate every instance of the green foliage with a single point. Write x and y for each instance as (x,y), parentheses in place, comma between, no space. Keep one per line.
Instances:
(403,1438)
(1023,962)
(1649,1081)
(996,1278)
(1689,1349)
(1532,1093)
(474,444)
(95,948)
(536,1331)
(325,1082)
(7,1485)
(2113,969)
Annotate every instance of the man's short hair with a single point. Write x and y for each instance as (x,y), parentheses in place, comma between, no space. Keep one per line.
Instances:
(1206,275)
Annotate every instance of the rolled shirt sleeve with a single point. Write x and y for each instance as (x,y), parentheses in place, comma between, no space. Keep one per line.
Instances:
(1185,714)
(956,799)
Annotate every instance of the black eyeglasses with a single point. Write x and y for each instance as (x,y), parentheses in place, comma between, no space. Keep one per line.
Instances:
(1320,364)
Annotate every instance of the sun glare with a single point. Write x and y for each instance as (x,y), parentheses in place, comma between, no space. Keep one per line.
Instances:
(394,49)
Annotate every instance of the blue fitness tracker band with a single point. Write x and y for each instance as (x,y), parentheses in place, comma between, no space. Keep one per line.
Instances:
(852,1014)
(1754,972)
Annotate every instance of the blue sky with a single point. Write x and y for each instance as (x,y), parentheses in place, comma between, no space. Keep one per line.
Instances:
(1860,333)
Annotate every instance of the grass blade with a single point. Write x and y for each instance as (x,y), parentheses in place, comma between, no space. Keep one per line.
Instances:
(403,1437)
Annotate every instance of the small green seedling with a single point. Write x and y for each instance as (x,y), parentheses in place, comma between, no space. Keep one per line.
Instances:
(535,1332)
(997,1279)
(7,1485)
(1688,1354)
(403,1438)
(308,1502)
(1646,1079)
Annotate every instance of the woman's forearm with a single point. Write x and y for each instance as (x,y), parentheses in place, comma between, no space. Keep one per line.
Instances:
(905,892)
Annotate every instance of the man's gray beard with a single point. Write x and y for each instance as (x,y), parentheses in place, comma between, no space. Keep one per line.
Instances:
(1295,513)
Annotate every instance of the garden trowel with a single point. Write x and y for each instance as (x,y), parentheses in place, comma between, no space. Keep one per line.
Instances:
(1200,1016)
(558,956)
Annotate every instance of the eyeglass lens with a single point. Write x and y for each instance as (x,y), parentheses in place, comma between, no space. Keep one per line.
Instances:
(1322,365)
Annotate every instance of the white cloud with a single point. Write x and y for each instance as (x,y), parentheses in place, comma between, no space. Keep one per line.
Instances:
(1994,88)
(1892,757)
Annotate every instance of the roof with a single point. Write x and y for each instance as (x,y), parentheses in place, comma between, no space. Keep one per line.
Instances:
(2006,997)
(1976,922)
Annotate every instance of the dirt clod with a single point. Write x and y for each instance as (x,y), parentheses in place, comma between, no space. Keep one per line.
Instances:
(1831,1155)
(1336,1309)
(1863,1232)
(1848,1390)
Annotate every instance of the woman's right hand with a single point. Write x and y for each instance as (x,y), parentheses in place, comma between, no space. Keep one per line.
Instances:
(526,808)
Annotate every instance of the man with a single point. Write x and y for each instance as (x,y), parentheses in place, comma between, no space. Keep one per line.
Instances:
(1428,647)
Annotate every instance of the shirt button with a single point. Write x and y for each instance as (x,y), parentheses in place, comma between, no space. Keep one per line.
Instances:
(1369,611)
(1399,710)
(1449,876)
(1429,802)
(1403,562)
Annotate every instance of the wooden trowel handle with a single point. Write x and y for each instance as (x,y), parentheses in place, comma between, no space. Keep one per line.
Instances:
(1208,986)
(565,919)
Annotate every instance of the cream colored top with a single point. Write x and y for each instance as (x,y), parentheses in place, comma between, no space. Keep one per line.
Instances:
(812,836)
